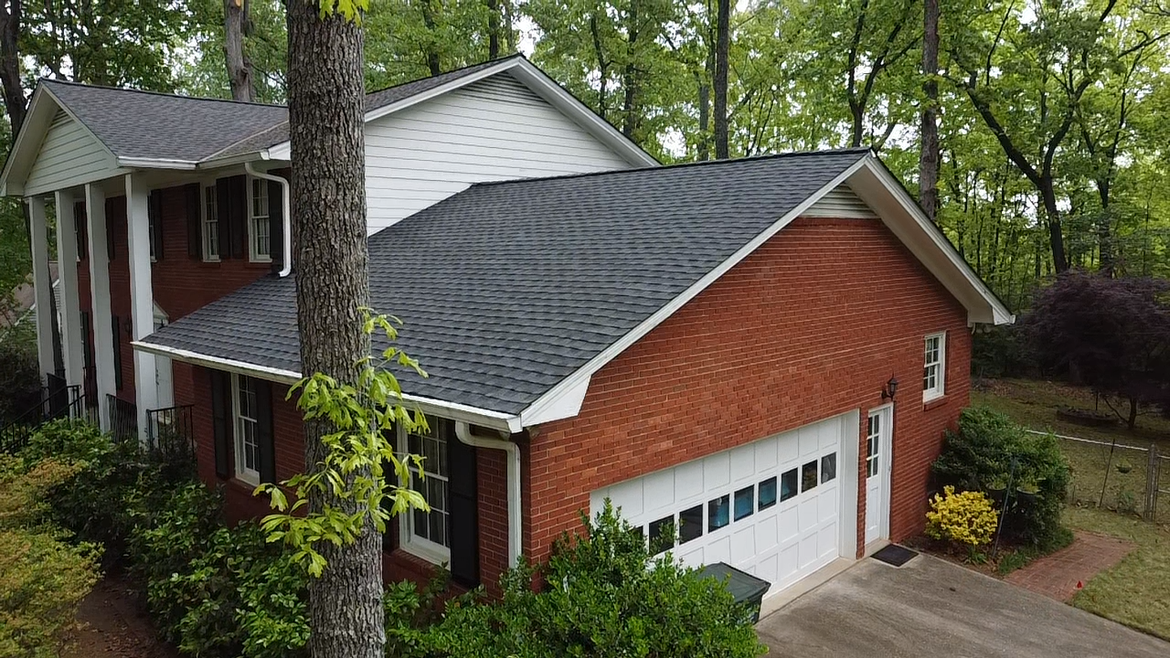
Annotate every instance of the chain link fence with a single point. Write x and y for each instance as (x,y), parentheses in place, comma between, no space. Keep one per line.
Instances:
(1122,477)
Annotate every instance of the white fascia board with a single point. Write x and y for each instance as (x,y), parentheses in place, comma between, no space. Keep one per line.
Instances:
(451,410)
(555,95)
(157,163)
(994,312)
(262,155)
(564,399)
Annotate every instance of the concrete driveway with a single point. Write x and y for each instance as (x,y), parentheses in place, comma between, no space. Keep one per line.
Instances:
(930,607)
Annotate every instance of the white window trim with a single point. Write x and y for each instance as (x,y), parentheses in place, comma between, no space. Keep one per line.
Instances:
(204,246)
(253,256)
(407,541)
(940,387)
(243,473)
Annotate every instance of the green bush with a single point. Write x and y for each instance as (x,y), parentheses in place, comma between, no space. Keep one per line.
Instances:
(989,452)
(1002,352)
(20,371)
(604,596)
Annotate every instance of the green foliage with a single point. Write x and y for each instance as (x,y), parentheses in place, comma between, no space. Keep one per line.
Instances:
(603,595)
(1001,352)
(989,449)
(354,477)
(20,371)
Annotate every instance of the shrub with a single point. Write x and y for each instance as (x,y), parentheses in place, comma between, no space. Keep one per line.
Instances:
(988,449)
(604,595)
(20,376)
(965,518)
(1001,352)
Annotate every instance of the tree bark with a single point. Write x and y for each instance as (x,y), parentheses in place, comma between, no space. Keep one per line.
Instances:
(929,150)
(722,50)
(325,103)
(630,113)
(239,67)
(493,28)
(11,14)
(432,53)
(704,118)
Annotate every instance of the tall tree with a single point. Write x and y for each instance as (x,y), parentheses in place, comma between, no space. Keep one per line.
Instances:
(237,25)
(326,105)
(929,150)
(722,54)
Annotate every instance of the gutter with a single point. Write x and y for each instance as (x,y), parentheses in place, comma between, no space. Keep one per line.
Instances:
(286,268)
(515,521)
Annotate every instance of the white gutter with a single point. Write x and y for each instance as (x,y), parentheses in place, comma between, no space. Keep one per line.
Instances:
(515,520)
(286,269)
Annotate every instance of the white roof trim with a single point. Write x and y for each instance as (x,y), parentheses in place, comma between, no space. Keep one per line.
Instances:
(452,410)
(532,77)
(550,406)
(157,163)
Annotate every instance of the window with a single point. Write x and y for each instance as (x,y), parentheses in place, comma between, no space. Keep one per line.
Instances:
(744,502)
(246,411)
(873,445)
(767,493)
(258,225)
(427,533)
(808,476)
(788,485)
(116,330)
(662,535)
(717,513)
(933,372)
(690,524)
(828,467)
(210,210)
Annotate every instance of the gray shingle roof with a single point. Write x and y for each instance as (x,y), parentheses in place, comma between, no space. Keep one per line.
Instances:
(140,124)
(507,288)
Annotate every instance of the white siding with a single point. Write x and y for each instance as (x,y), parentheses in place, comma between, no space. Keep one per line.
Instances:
(841,203)
(70,155)
(495,129)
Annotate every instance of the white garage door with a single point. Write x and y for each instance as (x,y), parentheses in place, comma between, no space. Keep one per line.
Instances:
(771,508)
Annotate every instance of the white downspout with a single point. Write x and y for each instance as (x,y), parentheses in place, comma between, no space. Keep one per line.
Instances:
(287,205)
(515,522)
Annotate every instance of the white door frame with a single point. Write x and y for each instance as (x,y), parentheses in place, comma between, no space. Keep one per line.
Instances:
(163,374)
(885,469)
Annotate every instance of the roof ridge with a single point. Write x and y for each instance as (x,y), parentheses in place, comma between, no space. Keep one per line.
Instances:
(680,165)
(86,85)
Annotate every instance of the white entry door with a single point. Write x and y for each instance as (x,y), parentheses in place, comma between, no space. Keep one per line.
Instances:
(878,446)
(163,377)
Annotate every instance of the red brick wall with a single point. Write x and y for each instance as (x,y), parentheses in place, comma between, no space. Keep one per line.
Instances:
(809,326)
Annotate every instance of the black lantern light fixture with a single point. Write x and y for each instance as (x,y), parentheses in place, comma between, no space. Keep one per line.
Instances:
(891,389)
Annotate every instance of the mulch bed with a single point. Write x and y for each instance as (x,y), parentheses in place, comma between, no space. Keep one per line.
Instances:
(114,624)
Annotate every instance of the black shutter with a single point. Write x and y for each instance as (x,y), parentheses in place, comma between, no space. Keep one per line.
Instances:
(221,425)
(223,204)
(276,225)
(87,353)
(110,251)
(237,217)
(116,326)
(193,194)
(154,216)
(264,436)
(464,510)
(79,224)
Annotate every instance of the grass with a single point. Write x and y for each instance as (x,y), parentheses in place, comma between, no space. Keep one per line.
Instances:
(1134,592)
(1033,404)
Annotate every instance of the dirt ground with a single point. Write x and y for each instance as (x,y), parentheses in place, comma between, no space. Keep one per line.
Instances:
(115,626)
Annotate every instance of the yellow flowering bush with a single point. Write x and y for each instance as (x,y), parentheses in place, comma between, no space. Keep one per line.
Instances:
(965,518)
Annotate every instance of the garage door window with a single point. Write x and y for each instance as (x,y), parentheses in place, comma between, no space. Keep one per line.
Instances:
(690,524)
(662,534)
(788,485)
(768,493)
(808,477)
(828,467)
(744,503)
(718,511)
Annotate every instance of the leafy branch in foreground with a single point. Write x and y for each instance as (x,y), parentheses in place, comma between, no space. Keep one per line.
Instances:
(361,455)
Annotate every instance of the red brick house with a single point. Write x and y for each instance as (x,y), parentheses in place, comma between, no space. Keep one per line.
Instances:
(710,346)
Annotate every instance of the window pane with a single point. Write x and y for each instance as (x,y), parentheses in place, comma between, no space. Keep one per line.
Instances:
(744,501)
(661,534)
(717,513)
(828,467)
(768,493)
(690,524)
(808,476)
(788,485)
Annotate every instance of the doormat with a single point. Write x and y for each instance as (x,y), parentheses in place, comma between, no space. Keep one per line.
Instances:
(895,555)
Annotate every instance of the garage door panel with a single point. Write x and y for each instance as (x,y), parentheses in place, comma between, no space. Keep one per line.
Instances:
(716,472)
(743,464)
(808,515)
(743,544)
(719,550)
(809,439)
(787,449)
(766,455)
(658,490)
(689,479)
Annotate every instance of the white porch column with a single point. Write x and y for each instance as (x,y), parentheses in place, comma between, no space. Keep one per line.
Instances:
(42,284)
(73,343)
(141,297)
(99,281)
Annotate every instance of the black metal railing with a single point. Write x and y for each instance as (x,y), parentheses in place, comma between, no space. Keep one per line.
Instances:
(171,434)
(123,418)
(58,400)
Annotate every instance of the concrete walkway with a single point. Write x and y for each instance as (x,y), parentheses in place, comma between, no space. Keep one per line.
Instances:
(930,607)
(1057,575)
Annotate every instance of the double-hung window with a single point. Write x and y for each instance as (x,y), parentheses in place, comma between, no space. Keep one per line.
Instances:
(209,202)
(427,533)
(934,367)
(259,228)
(246,412)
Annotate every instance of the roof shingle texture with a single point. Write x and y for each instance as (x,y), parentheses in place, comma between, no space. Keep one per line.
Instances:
(140,124)
(508,288)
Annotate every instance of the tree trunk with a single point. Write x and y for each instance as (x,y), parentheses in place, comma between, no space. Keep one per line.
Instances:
(1131,421)
(10,18)
(325,104)
(929,154)
(630,74)
(1052,218)
(239,67)
(431,54)
(704,118)
(493,28)
(722,49)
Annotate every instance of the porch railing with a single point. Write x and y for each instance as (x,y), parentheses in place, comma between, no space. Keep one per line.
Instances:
(171,434)
(123,418)
(58,400)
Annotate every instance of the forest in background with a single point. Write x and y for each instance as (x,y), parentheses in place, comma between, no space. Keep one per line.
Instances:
(1049,115)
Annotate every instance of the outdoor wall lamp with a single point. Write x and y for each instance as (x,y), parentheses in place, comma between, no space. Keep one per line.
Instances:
(891,389)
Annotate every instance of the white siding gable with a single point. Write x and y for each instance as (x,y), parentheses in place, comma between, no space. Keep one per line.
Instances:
(69,155)
(494,129)
(840,203)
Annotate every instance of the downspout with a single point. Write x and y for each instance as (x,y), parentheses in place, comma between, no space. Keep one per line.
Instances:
(287,206)
(515,522)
